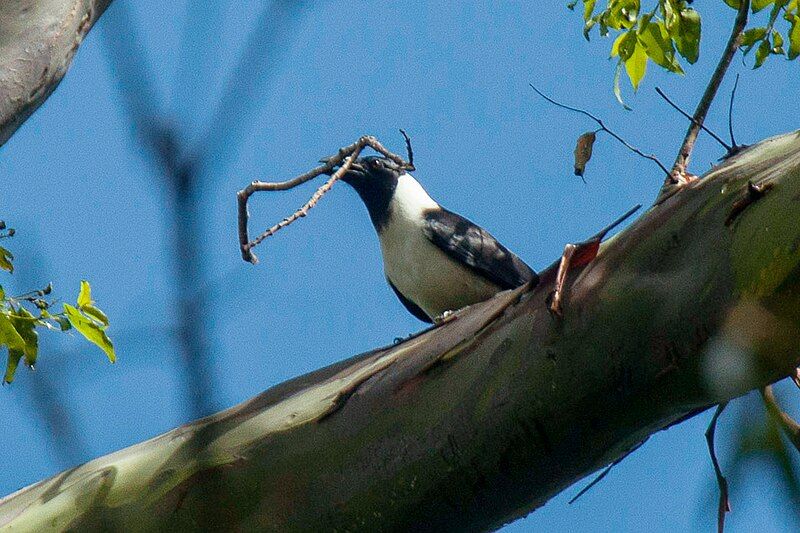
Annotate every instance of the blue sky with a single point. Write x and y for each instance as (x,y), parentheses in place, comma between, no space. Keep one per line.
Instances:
(87,202)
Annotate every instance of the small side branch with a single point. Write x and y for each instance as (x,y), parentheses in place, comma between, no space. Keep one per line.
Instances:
(675,106)
(604,128)
(724,503)
(343,159)
(604,473)
(734,146)
(678,173)
(409,150)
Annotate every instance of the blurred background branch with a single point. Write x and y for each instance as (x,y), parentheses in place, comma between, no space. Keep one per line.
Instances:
(166,133)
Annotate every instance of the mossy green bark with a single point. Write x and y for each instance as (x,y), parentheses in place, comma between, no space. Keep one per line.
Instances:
(483,419)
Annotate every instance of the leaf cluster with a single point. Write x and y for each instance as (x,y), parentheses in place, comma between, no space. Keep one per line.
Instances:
(22,316)
(672,29)
(767,40)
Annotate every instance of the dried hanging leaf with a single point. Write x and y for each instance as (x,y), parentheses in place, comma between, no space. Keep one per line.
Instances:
(583,151)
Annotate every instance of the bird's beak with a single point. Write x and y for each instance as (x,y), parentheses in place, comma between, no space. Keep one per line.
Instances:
(356,170)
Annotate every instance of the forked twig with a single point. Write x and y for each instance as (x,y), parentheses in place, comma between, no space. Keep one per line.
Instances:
(678,173)
(343,159)
(604,128)
(724,503)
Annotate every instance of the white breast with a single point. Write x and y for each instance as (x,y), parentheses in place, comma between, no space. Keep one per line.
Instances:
(419,269)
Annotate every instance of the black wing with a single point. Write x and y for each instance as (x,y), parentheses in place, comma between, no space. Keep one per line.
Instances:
(475,247)
(413,308)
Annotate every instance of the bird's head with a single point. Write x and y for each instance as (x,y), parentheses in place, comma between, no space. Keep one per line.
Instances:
(372,171)
(375,180)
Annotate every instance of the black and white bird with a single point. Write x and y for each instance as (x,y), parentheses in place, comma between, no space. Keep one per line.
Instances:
(434,260)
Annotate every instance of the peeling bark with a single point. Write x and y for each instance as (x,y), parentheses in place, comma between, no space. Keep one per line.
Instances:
(481,420)
(38,39)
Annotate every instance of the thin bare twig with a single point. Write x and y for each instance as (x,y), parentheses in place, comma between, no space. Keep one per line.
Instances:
(730,113)
(604,473)
(343,159)
(724,503)
(409,150)
(593,482)
(789,426)
(678,173)
(604,128)
(690,117)
(303,210)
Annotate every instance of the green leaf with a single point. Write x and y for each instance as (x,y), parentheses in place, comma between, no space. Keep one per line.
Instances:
(762,53)
(85,296)
(588,9)
(794,38)
(658,45)
(588,28)
(617,90)
(616,43)
(11,366)
(686,34)
(93,332)
(5,260)
(25,324)
(63,322)
(622,14)
(752,36)
(86,305)
(777,43)
(9,336)
(733,3)
(96,314)
(636,65)
(627,45)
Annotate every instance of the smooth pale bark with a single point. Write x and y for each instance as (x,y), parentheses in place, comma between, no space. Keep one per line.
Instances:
(483,419)
(38,39)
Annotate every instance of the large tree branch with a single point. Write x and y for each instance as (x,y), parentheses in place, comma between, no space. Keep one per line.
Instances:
(38,39)
(483,419)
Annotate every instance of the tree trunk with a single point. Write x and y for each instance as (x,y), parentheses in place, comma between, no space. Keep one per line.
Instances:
(481,420)
(38,39)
